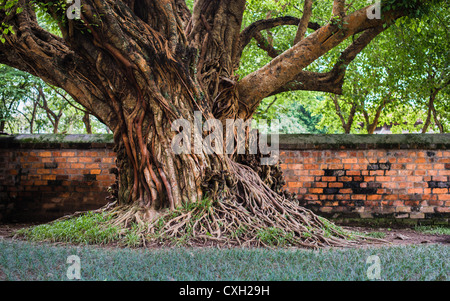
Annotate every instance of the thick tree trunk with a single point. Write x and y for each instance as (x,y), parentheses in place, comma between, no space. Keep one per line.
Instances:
(152,175)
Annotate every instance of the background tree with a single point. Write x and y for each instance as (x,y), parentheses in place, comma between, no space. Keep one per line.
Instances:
(293,112)
(400,88)
(31,105)
(140,65)
(14,85)
(427,79)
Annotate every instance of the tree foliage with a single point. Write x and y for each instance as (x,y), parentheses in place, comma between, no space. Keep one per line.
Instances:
(401,80)
(422,38)
(29,105)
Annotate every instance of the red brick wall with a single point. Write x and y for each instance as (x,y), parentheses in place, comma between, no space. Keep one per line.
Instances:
(337,177)
(370,183)
(44,184)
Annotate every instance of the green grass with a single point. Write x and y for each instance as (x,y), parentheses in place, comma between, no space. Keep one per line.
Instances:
(273,236)
(37,261)
(441,230)
(89,228)
(376,234)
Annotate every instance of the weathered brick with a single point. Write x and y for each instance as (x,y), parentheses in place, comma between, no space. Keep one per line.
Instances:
(374,197)
(43,171)
(350,160)
(415,190)
(403,209)
(45,154)
(311,166)
(421,160)
(443,209)
(92,166)
(353,172)
(107,160)
(416,215)
(85,159)
(435,203)
(335,185)
(345,180)
(427,209)
(326,209)
(68,154)
(444,197)
(295,166)
(440,190)
(290,184)
(77,165)
(52,165)
(382,179)
(316,172)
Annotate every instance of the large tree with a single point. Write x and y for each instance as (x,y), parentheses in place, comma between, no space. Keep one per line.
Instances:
(140,65)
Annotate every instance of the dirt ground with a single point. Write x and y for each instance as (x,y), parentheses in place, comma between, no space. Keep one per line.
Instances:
(7,230)
(394,236)
(405,236)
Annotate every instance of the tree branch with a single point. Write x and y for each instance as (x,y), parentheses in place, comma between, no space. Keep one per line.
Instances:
(40,53)
(250,31)
(371,126)
(68,101)
(339,8)
(337,107)
(304,21)
(314,81)
(333,80)
(264,44)
(284,69)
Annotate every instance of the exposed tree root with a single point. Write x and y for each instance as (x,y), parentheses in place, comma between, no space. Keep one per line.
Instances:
(247,214)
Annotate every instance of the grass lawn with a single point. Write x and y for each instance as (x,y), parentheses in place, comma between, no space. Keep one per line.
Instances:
(21,260)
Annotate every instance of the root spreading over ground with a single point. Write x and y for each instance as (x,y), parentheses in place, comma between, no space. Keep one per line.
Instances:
(249,214)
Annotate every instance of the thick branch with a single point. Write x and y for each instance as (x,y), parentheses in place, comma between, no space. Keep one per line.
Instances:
(36,51)
(333,80)
(314,81)
(283,69)
(214,32)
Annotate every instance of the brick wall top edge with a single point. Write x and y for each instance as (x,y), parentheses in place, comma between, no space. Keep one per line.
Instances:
(344,141)
(56,141)
(286,141)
